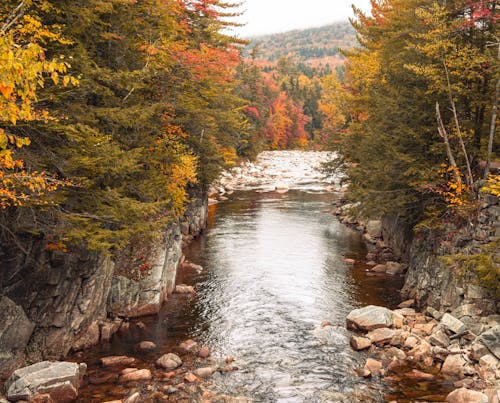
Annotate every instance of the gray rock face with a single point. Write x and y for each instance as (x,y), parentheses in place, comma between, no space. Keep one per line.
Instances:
(59,296)
(144,296)
(491,339)
(134,298)
(15,332)
(60,380)
(431,282)
(370,317)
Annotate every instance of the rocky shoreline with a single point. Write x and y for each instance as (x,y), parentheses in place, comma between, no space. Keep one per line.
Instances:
(418,342)
(407,344)
(179,376)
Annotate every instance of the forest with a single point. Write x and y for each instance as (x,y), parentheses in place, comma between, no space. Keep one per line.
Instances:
(114,112)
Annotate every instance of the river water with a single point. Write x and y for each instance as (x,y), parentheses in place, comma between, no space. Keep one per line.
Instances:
(274,271)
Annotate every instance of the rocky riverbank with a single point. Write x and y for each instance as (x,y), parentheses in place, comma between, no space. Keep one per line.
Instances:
(54,303)
(424,346)
(183,375)
(449,329)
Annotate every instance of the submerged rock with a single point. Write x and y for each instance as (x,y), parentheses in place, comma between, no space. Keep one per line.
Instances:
(116,360)
(169,361)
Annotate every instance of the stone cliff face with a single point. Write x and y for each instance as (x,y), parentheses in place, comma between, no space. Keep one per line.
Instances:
(144,296)
(52,298)
(429,279)
(51,302)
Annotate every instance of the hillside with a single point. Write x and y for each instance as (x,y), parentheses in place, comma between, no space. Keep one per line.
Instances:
(313,45)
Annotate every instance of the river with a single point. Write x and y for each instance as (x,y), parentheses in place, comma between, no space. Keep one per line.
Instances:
(274,271)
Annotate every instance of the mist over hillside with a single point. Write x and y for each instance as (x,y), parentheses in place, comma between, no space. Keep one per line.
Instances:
(318,45)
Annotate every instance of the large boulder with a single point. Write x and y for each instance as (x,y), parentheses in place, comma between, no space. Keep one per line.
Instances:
(371,317)
(491,339)
(59,380)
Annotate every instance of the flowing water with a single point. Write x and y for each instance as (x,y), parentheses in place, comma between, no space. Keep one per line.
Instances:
(274,270)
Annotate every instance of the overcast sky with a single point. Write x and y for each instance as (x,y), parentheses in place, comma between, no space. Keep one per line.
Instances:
(271,16)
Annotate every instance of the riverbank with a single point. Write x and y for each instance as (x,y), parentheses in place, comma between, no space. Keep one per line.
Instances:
(450,335)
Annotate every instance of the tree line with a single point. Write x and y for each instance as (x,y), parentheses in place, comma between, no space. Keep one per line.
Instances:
(415,114)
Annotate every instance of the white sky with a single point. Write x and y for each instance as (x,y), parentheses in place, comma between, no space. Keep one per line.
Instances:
(271,16)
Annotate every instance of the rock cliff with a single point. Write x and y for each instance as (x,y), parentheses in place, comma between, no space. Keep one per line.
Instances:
(53,302)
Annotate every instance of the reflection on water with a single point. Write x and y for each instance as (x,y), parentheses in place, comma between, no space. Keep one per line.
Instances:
(274,271)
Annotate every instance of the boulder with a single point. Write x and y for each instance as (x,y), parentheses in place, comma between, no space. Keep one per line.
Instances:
(59,380)
(439,338)
(374,228)
(454,365)
(371,317)
(394,268)
(184,289)
(190,377)
(204,352)
(491,339)
(169,361)
(489,360)
(407,304)
(477,351)
(381,336)
(373,366)
(360,343)
(188,346)
(464,395)
(434,313)
(453,324)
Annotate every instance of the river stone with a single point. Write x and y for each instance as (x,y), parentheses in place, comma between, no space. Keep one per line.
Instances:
(59,380)
(169,361)
(381,336)
(360,343)
(370,317)
(464,395)
(453,324)
(491,339)
(454,365)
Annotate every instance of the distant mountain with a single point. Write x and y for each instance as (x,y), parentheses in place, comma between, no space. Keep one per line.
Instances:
(313,46)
